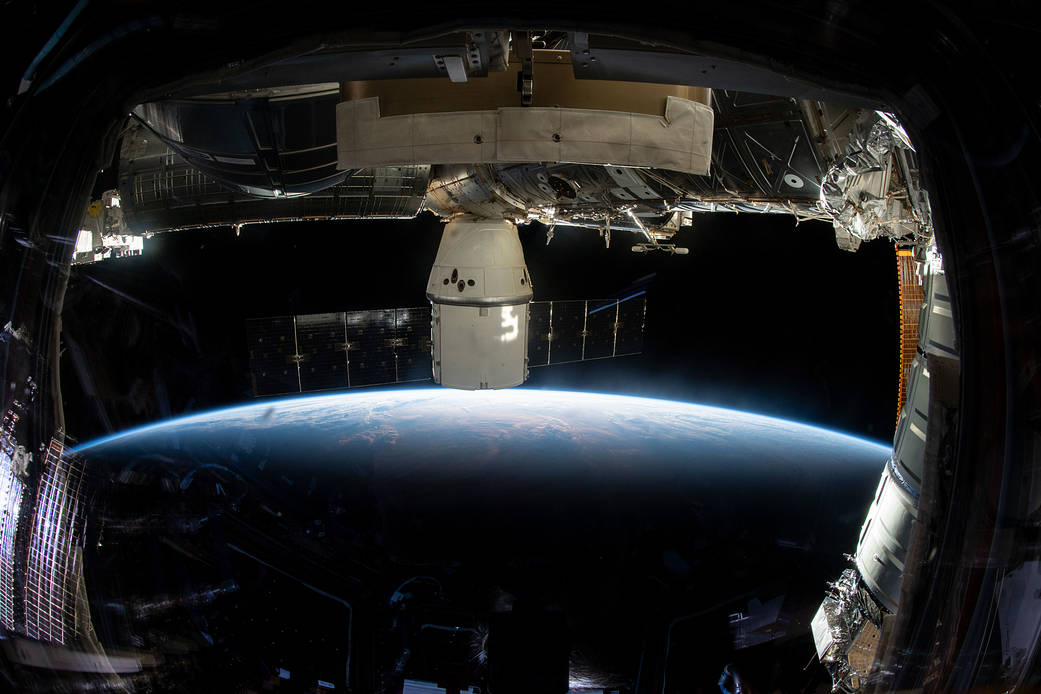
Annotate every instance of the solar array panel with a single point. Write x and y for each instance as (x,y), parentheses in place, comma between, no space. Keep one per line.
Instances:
(538,333)
(629,324)
(413,351)
(560,332)
(320,343)
(371,347)
(325,351)
(271,348)
(600,322)
(567,323)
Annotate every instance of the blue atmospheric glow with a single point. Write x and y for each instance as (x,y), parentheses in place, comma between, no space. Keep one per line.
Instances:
(516,396)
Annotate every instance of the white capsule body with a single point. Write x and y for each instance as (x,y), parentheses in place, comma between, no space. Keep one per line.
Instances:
(479,290)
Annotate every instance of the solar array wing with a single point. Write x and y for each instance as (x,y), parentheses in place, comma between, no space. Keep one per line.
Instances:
(565,331)
(566,328)
(412,326)
(370,347)
(538,333)
(632,314)
(321,340)
(272,346)
(599,332)
(325,351)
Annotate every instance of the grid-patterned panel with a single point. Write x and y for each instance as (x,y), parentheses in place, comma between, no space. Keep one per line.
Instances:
(600,321)
(412,330)
(370,343)
(11,491)
(163,192)
(52,570)
(374,192)
(538,333)
(566,331)
(321,340)
(911,299)
(325,351)
(629,331)
(272,347)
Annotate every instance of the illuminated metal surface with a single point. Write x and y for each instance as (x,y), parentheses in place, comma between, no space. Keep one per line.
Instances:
(103,232)
(479,290)
(11,492)
(874,191)
(54,555)
(848,628)
(768,155)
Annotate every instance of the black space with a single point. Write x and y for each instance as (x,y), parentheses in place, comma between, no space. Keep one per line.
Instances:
(761,316)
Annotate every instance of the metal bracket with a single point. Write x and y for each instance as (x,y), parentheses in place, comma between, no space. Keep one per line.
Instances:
(454,65)
(631,185)
(473,56)
(526,77)
(663,247)
(488,51)
(578,41)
